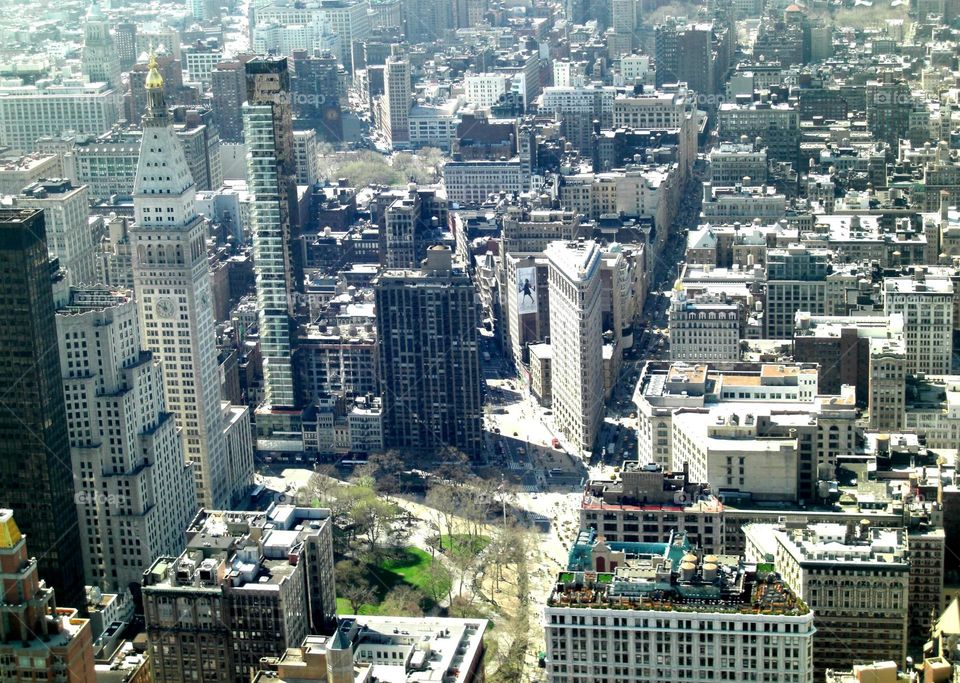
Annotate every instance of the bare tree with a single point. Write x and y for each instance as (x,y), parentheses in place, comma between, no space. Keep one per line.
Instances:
(353,585)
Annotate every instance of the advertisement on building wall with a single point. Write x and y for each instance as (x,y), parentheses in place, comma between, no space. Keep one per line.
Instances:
(526,290)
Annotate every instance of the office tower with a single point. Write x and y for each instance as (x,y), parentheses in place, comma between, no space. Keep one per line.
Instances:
(667,613)
(926,304)
(271,173)
(38,640)
(409,221)
(70,237)
(249,585)
(576,338)
(36,479)
(125,41)
(395,103)
(429,355)
(28,112)
(854,577)
(886,383)
(100,61)
(134,491)
(704,327)
(229,89)
(197,131)
(172,281)
(315,85)
(796,281)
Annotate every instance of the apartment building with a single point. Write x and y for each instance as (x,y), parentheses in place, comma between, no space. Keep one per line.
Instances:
(249,585)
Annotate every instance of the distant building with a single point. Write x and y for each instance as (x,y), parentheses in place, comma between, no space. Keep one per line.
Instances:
(100,59)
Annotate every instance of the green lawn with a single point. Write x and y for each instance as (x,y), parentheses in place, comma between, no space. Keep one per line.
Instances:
(343,607)
(402,566)
(461,543)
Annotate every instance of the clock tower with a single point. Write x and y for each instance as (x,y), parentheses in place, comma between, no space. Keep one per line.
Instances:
(171,279)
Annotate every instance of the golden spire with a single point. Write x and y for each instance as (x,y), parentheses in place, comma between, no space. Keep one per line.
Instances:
(9,533)
(154,79)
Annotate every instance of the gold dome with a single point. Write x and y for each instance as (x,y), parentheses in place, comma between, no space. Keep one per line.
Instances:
(154,79)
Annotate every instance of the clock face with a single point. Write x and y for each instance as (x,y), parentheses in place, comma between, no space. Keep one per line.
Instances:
(164,308)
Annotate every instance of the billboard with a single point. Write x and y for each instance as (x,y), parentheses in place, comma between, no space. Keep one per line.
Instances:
(526,290)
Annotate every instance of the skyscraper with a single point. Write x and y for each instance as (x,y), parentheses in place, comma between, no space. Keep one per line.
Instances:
(134,491)
(36,479)
(576,338)
(125,38)
(172,283)
(271,170)
(100,59)
(429,355)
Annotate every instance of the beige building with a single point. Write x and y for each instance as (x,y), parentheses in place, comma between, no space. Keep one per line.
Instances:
(70,233)
(855,578)
(927,307)
(704,328)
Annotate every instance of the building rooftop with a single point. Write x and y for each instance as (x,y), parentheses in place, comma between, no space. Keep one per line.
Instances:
(243,550)
(429,649)
(668,577)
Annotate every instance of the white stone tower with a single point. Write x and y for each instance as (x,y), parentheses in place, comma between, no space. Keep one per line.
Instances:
(171,278)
